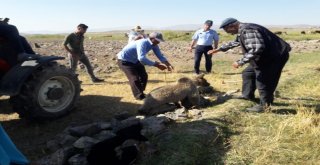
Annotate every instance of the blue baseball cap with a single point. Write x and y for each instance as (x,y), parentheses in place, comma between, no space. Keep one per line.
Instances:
(227,22)
(156,35)
(208,22)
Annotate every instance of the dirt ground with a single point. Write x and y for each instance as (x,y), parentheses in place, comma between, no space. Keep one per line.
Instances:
(31,137)
(102,54)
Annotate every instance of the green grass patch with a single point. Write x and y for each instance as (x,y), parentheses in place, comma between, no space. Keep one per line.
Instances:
(188,143)
(172,35)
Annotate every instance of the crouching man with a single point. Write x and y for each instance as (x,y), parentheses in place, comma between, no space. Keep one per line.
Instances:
(133,57)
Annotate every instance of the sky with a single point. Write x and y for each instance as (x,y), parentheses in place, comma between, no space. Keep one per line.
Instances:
(65,15)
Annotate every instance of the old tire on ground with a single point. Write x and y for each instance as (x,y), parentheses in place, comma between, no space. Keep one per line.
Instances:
(50,92)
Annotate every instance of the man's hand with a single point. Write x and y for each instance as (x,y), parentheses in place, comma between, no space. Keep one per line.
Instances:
(169,66)
(213,51)
(160,66)
(190,49)
(235,65)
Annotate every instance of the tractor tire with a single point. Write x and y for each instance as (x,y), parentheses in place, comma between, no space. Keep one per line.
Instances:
(50,92)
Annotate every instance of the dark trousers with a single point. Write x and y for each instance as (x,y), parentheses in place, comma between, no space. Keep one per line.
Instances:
(200,50)
(248,82)
(267,78)
(137,76)
(84,60)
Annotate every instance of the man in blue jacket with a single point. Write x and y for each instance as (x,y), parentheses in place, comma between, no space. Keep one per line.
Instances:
(133,57)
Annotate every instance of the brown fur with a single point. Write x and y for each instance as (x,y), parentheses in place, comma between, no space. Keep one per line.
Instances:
(184,91)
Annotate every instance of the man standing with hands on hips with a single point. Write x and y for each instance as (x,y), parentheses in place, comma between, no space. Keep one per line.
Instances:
(133,57)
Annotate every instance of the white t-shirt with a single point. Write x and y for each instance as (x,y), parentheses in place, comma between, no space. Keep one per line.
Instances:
(133,34)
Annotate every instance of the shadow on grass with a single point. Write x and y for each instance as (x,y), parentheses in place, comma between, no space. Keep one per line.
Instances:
(285,111)
(300,98)
(31,137)
(127,82)
(231,73)
(196,142)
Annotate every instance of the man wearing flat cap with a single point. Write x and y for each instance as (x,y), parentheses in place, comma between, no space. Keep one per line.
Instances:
(266,54)
(133,57)
(203,39)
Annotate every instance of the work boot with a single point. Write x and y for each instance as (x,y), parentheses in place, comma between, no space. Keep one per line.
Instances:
(95,80)
(141,96)
(256,109)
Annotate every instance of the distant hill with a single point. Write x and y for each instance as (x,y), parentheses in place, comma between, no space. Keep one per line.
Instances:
(184,27)
(192,27)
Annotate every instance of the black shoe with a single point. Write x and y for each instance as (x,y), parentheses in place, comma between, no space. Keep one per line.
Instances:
(95,80)
(209,72)
(256,109)
(242,97)
(141,97)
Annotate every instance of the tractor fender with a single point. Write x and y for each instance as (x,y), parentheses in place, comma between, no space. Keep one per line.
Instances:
(13,80)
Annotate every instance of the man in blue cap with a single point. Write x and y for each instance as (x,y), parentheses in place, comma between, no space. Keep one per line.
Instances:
(204,38)
(266,54)
(133,57)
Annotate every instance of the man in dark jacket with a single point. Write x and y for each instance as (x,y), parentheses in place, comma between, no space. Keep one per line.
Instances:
(266,54)
(13,46)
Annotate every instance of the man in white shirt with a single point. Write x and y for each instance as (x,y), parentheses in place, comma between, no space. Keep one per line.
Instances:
(136,34)
(204,38)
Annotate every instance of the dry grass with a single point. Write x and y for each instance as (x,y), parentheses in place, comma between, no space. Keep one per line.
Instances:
(287,135)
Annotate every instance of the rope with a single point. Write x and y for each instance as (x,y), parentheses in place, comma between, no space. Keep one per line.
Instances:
(165,77)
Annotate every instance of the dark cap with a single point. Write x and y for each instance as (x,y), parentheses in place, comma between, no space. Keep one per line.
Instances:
(227,22)
(6,20)
(84,26)
(208,22)
(156,35)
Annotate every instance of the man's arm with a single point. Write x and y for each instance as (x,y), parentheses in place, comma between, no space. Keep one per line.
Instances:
(193,42)
(65,45)
(254,44)
(192,45)
(162,58)
(225,47)
(142,54)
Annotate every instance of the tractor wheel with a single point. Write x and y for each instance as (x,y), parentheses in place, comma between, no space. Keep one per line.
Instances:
(49,93)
